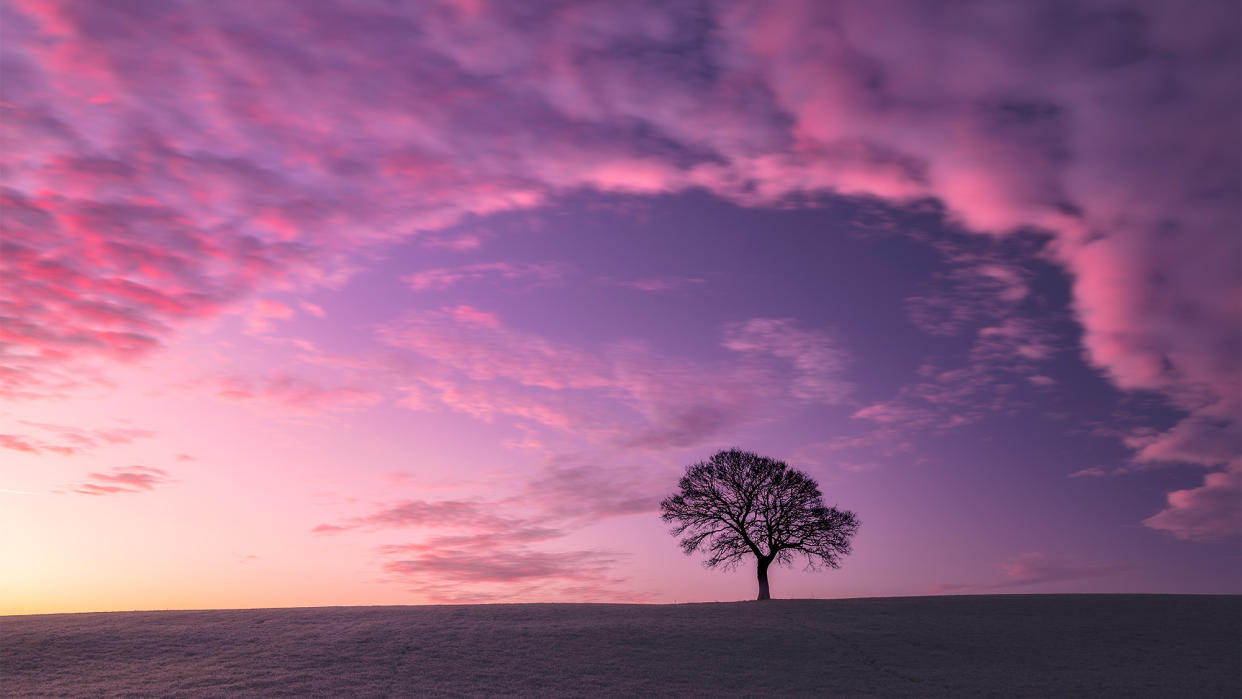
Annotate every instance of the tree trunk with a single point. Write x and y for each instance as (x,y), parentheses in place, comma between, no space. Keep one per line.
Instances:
(763,578)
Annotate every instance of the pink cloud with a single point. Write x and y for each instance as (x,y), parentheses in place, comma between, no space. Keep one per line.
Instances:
(474,550)
(147,194)
(457,243)
(1208,437)
(131,479)
(312,309)
(1211,511)
(587,492)
(421,513)
(979,295)
(443,277)
(502,566)
(485,540)
(857,453)
(1014,338)
(296,393)
(68,441)
(473,316)
(624,394)
(660,284)
(977,287)
(818,363)
(1092,472)
(942,588)
(490,352)
(884,413)
(1035,568)
(263,312)
(16,443)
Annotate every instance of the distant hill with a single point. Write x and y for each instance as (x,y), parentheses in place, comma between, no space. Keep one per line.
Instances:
(1007,645)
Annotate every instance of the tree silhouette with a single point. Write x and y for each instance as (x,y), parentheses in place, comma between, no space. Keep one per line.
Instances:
(739,504)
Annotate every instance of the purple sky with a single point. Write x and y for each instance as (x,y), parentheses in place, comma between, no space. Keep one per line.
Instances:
(367,302)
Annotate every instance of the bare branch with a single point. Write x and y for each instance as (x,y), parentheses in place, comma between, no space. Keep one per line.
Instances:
(738,503)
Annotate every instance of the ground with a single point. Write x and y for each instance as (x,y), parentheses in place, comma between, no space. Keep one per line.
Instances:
(997,645)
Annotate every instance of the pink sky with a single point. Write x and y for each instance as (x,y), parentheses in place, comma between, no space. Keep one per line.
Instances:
(346,303)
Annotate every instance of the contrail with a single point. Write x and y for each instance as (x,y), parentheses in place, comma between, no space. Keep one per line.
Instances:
(22,492)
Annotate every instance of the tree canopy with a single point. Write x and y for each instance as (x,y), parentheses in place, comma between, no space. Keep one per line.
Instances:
(738,504)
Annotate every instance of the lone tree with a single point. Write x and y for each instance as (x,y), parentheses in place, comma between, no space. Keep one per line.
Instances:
(738,504)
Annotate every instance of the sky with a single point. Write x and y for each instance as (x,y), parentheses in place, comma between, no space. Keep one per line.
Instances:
(358,303)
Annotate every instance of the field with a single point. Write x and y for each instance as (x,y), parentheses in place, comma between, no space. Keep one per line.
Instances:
(998,645)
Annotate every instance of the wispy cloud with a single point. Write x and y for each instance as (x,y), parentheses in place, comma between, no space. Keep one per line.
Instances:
(977,286)
(445,513)
(130,479)
(661,284)
(296,394)
(263,312)
(503,565)
(531,274)
(817,361)
(625,394)
(1035,568)
(68,441)
(17,443)
(475,550)
(465,242)
(954,392)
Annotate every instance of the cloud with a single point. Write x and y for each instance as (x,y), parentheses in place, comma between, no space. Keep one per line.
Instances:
(984,294)
(486,540)
(624,394)
(17,443)
(1092,472)
(312,309)
(421,513)
(1143,245)
(68,441)
(1212,511)
(1035,568)
(263,312)
(144,194)
(660,284)
(1012,339)
(998,334)
(682,426)
(474,550)
(587,492)
(131,479)
(456,243)
(817,361)
(503,566)
(440,278)
(859,452)
(978,286)
(473,316)
(512,573)
(294,393)
(568,490)
(941,588)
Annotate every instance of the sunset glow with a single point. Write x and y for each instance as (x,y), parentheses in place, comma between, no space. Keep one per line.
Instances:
(358,303)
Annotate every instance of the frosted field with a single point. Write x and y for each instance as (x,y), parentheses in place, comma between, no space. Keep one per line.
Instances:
(1017,645)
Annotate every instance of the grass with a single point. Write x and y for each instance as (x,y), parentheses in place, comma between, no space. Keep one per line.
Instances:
(997,645)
